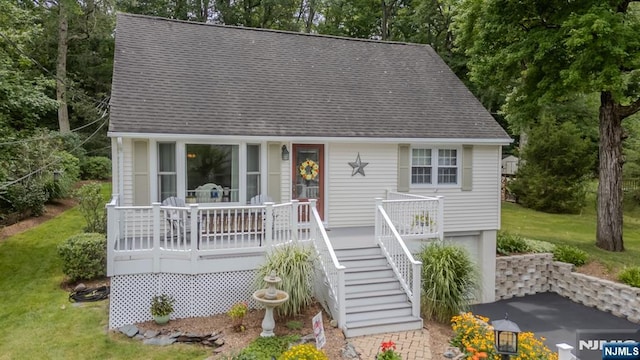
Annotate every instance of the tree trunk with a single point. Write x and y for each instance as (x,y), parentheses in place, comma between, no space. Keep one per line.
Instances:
(61,70)
(385,21)
(609,227)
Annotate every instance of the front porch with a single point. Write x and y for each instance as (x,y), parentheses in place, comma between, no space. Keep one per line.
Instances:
(206,256)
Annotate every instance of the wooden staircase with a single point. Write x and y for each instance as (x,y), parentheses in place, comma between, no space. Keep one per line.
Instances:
(375,300)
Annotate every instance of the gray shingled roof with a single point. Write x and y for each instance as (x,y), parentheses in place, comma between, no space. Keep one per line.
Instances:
(190,78)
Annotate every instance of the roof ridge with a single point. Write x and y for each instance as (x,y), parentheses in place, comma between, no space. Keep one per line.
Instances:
(289,32)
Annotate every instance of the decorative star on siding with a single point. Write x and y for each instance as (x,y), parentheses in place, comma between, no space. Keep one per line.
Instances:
(358,166)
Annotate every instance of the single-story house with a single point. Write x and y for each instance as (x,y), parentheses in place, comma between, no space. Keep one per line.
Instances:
(228,141)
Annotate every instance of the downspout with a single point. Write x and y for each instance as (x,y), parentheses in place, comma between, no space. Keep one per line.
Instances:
(120,171)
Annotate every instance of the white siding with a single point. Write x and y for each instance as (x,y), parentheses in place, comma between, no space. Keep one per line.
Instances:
(285,170)
(127,150)
(478,209)
(351,199)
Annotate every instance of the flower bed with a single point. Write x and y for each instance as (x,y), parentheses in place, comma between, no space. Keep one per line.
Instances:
(474,337)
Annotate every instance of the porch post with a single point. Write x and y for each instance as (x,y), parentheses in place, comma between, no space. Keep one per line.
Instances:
(268,231)
(440,217)
(112,236)
(378,220)
(312,224)
(294,220)
(194,226)
(155,214)
(416,290)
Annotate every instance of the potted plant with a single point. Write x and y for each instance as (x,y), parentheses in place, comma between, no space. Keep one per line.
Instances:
(162,307)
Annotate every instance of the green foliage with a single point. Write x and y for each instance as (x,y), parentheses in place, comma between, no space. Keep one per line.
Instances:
(507,244)
(294,264)
(96,168)
(538,246)
(28,197)
(554,170)
(84,256)
(294,324)
(266,348)
(570,254)
(162,305)
(303,352)
(92,207)
(630,276)
(60,183)
(449,280)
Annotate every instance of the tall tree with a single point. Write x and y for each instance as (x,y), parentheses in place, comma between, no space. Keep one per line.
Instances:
(549,51)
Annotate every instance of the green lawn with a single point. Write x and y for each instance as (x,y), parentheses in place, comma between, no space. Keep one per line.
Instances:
(576,230)
(36,319)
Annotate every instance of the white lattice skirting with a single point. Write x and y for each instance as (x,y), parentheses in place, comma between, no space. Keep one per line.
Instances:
(196,295)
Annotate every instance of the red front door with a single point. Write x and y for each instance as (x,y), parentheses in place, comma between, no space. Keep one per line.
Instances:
(308,174)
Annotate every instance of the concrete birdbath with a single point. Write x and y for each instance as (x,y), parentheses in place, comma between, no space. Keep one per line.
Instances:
(270,298)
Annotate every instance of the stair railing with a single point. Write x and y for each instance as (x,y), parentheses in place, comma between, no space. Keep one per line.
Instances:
(333,271)
(407,269)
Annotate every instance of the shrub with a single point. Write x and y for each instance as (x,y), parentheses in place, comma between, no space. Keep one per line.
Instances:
(507,244)
(68,170)
(475,338)
(84,256)
(294,325)
(96,168)
(267,348)
(303,352)
(570,254)
(294,264)
(28,197)
(449,280)
(92,208)
(555,184)
(630,276)
(538,246)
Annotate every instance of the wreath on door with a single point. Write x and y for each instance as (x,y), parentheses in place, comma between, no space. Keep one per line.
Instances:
(309,170)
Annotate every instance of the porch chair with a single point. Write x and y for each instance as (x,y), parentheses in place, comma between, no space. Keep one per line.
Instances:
(260,199)
(209,192)
(176,222)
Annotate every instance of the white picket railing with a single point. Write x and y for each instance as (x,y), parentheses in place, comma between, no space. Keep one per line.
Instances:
(416,216)
(407,269)
(333,271)
(193,231)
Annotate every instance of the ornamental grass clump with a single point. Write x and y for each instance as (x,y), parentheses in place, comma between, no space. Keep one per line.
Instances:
(449,281)
(294,264)
(475,338)
(303,352)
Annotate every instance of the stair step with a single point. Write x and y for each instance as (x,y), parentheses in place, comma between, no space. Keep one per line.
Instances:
(378,311)
(373,250)
(364,262)
(379,326)
(360,285)
(369,272)
(375,297)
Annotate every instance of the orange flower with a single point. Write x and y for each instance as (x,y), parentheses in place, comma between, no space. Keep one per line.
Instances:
(388,345)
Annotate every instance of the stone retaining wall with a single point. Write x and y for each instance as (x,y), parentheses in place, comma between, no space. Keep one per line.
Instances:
(520,275)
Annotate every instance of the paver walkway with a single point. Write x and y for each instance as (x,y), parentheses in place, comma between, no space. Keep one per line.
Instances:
(411,345)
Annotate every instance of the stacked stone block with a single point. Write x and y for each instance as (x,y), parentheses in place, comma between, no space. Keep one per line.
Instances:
(521,275)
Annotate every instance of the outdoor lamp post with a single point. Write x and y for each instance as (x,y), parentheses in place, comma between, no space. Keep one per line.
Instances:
(505,337)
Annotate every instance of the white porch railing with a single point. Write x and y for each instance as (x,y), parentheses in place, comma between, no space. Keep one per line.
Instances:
(331,267)
(407,269)
(416,216)
(156,232)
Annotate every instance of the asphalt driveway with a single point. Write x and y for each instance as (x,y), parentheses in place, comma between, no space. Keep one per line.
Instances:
(552,316)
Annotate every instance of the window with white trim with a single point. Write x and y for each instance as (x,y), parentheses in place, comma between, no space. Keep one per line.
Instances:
(434,166)
(166,170)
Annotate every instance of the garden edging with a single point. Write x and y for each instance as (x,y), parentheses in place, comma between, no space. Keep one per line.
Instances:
(519,275)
